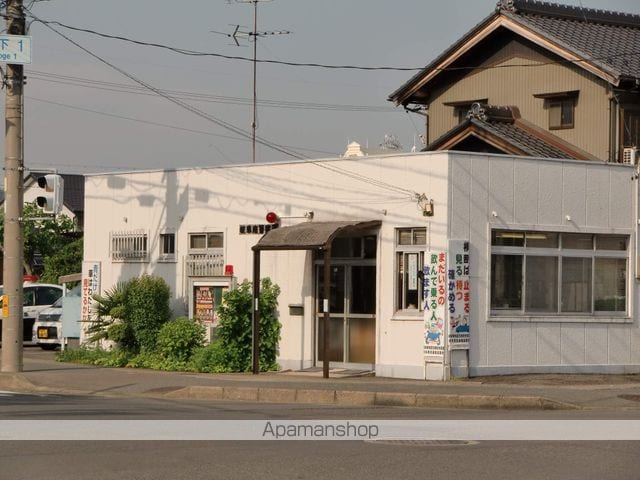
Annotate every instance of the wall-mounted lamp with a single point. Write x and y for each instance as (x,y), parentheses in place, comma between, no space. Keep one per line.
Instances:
(425,205)
(494,214)
(567,218)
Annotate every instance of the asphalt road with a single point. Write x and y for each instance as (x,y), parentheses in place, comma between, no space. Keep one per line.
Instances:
(296,459)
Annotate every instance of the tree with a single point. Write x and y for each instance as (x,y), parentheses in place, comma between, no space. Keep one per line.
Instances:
(65,261)
(44,237)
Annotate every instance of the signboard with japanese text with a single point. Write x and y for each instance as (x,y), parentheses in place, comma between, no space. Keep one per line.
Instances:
(458,294)
(15,49)
(435,301)
(90,286)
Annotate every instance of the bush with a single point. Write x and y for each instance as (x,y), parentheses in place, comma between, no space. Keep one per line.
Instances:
(234,329)
(178,339)
(209,359)
(121,333)
(147,308)
(94,356)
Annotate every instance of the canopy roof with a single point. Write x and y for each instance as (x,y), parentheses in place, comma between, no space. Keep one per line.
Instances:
(311,235)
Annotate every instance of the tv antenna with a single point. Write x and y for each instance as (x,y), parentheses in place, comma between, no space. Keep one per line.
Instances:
(252,37)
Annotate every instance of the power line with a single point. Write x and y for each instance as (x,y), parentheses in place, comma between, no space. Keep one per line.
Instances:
(203,97)
(180,103)
(184,51)
(371,181)
(158,124)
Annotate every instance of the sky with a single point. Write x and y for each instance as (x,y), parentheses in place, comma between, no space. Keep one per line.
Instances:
(84,113)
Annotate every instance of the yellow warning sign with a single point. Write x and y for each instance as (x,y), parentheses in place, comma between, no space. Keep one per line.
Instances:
(5,306)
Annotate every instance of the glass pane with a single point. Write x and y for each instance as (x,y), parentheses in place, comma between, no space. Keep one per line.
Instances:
(567,113)
(363,290)
(336,339)
(576,284)
(611,242)
(29,297)
(362,340)
(405,236)
(542,240)
(346,247)
(506,282)
(577,241)
(370,246)
(410,279)
(419,236)
(336,298)
(610,286)
(215,240)
(507,239)
(541,284)
(555,112)
(197,241)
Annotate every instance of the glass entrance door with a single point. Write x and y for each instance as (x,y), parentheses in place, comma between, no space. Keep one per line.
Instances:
(352,307)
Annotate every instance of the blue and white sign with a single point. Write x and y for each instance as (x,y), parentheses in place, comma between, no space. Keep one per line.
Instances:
(15,49)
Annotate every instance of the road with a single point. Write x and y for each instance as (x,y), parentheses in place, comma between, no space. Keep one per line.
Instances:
(296,459)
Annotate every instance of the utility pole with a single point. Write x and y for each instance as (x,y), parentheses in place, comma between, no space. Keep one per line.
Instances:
(253,36)
(12,323)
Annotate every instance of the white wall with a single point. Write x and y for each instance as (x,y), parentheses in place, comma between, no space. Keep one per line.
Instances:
(222,198)
(538,195)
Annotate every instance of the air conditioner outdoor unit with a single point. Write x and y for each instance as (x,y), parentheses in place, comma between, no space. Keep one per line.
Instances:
(629,155)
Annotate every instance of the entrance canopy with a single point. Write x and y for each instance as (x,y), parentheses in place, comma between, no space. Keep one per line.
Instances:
(304,236)
(311,235)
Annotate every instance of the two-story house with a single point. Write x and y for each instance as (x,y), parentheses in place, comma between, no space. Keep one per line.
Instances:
(572,73)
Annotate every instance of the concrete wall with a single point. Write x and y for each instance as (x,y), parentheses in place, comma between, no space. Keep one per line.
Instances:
(221,199)
(538,195)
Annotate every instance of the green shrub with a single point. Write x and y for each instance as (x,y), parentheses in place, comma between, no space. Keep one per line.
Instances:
(147,308)
(94,356)
(178,338)
(121,333)
(156,361)
(209,359)
(234,330)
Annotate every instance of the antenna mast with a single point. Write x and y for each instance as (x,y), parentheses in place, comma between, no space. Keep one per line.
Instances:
(253,37)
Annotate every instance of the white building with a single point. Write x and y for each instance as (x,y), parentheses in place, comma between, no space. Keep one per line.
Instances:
(551,251)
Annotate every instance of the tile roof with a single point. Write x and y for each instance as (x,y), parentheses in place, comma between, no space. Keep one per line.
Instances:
(608,40)
(505,125)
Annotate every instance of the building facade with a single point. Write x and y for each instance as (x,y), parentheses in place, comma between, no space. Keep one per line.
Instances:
(548,248)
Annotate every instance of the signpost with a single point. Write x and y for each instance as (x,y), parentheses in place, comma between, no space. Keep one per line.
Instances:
(15,49)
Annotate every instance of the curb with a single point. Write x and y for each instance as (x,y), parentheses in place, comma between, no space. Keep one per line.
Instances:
(15,381)
(366,398)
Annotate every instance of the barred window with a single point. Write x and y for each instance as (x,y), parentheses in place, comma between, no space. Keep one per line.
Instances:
(129,246)
(167,247)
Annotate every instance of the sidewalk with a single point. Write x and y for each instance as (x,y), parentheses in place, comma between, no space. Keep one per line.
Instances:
(506,392)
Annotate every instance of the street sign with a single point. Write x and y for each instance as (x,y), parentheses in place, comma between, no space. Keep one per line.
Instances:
(15,49)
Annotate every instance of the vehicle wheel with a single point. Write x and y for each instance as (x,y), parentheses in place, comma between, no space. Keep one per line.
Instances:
(48,346)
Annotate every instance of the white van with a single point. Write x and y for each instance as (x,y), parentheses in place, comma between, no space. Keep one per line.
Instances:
(37,297)
(47,329)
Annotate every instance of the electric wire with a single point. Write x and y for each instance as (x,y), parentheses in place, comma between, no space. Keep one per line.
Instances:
(203,97)
(184,51)
(371,181)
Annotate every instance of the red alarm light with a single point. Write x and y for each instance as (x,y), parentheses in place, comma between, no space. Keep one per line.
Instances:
(272,217)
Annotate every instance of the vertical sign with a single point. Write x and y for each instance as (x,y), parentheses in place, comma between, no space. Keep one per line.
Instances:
(458,294)
(435,293)
(90,286)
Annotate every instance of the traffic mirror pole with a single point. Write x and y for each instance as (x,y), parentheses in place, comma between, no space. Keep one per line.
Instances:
(12,324)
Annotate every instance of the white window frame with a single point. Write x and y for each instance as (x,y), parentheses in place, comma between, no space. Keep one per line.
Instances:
(166,257)
(560,253)
(399,298)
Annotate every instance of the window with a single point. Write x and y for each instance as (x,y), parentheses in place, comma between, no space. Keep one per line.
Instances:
(206,254)
(206,241)
(410,246)
(129,246)
(558,273)
(561,113)
(167,247)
